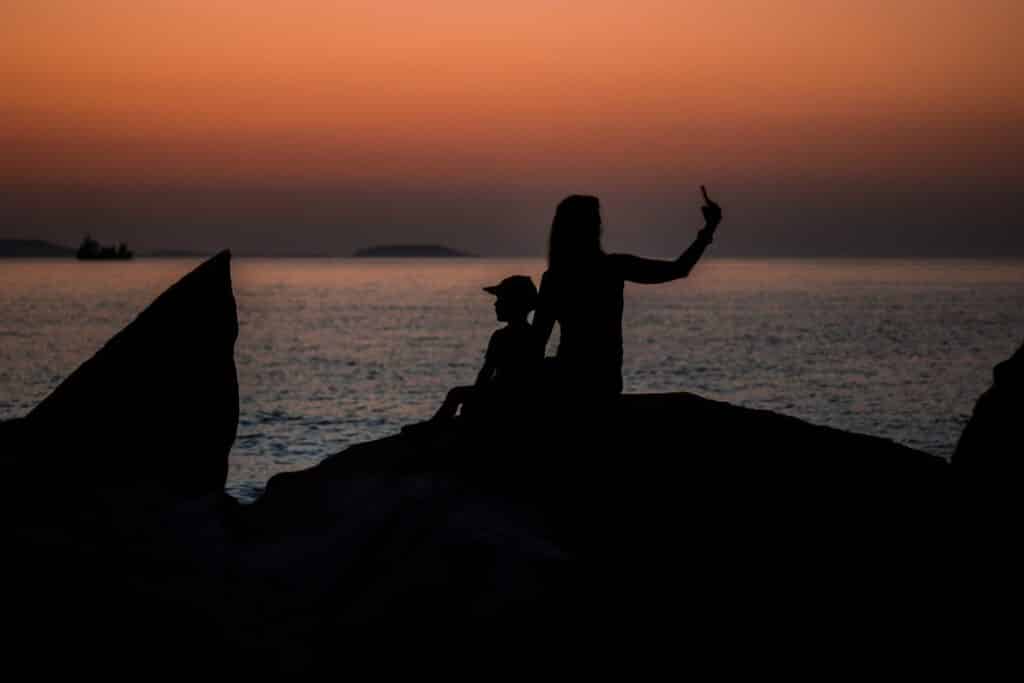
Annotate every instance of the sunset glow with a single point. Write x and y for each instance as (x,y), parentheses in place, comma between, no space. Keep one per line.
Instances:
(544,96)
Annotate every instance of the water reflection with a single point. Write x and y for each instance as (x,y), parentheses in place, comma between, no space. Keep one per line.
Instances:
(335,351)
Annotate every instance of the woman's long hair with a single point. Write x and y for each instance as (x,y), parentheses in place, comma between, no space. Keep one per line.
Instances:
(575,232)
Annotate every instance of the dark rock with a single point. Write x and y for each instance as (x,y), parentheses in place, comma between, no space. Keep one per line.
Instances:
(598,521)
(158,403)
(990,445)
(119,537)
(661,504)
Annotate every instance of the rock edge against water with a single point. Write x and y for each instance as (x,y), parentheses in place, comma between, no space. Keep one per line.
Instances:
(662,522)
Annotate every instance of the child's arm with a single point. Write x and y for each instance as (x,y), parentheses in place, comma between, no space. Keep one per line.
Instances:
(455,398)
(460,395)
(487,371)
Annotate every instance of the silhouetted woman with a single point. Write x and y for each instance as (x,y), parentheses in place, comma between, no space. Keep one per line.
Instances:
(582,291)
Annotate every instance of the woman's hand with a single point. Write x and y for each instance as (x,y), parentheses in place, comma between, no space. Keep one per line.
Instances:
(653,271)
(711,210)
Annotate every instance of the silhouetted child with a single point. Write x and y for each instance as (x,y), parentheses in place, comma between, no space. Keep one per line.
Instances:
(511,360)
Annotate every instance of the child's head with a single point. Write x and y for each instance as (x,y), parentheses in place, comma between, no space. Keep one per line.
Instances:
(517,296)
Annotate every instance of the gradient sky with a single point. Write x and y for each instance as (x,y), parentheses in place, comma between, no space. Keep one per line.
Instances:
(831,127)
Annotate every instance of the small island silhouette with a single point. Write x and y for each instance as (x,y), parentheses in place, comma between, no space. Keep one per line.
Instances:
(411,251)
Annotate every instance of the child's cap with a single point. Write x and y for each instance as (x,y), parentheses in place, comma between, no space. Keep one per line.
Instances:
(517,289)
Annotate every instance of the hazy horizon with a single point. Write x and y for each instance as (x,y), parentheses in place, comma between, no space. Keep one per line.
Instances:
(824,129)
(186,252)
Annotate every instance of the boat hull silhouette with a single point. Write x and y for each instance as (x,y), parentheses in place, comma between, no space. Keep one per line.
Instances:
(106,256)
(90,250)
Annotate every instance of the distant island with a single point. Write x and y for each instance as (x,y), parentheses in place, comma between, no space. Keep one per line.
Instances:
(33,249)
(411,251)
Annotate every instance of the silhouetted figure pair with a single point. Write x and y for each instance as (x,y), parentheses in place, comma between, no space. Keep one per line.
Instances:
(582,291)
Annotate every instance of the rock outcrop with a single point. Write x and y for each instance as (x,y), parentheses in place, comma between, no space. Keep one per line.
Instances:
(158,403)
(990,446)
(627,527)
(115,517)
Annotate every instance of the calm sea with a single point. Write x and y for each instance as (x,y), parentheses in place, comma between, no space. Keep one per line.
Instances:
(333,352)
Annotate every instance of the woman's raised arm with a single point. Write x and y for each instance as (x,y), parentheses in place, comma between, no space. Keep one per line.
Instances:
(655,271)
(649,271)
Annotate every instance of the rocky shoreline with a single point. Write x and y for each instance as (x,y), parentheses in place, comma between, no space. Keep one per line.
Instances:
(718,517)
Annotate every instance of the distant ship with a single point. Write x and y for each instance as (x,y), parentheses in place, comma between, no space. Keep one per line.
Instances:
(92,251)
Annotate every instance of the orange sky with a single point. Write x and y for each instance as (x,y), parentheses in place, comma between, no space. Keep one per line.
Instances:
(445,94)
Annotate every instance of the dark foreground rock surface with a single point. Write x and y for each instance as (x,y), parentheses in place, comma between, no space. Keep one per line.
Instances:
(166,380)
(990,446)
(661,531)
